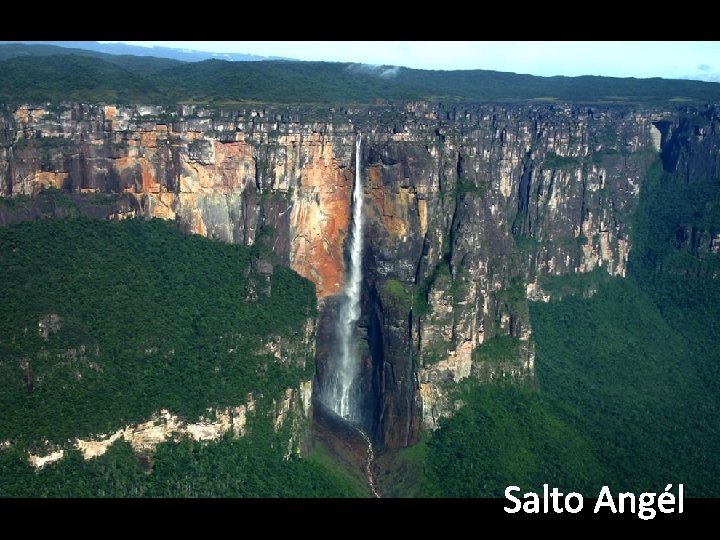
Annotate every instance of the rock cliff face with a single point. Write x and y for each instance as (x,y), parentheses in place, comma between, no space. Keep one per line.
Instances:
(467,206)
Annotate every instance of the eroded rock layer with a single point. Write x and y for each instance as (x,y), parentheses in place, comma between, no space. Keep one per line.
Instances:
(467,206)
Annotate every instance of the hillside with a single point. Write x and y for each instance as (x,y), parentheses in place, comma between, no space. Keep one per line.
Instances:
(123,49)
(36,73)
(144,65)
(106,323)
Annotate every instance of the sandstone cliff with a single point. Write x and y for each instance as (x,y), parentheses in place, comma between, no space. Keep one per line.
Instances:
(467,206)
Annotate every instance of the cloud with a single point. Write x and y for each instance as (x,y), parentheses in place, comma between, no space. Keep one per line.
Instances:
(704,67)
(384,72)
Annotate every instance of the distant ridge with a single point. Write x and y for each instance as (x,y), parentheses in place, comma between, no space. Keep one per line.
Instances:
(39,73)
(183,55)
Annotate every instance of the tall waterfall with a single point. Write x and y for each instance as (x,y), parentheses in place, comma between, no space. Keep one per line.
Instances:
(344,369)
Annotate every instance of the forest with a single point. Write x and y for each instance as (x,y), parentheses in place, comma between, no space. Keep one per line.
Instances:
(41,73)
(103,323)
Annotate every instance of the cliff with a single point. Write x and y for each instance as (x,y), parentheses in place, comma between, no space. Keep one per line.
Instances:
(468,207)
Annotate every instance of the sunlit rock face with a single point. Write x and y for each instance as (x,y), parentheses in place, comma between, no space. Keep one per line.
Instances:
(465,207)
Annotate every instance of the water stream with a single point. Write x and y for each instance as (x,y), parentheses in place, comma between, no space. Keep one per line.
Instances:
(370,460)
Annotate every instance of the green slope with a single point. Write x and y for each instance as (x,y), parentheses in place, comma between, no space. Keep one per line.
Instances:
(97,77)
(619,401)
(143,65)
(60,78)
(149,318)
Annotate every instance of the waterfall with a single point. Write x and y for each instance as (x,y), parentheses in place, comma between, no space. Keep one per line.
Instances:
(338,394)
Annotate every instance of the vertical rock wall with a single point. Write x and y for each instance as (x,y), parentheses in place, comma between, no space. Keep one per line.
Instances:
(467,206)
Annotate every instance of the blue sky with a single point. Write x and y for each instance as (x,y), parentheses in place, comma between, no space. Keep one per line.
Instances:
(669,59)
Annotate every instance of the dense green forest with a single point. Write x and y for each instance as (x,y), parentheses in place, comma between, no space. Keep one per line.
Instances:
(148,318)
(627,391)
(136,317)
(611,406)
(39,73)
(251,466)
(144,65)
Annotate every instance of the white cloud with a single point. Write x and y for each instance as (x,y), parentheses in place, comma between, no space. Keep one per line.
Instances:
(385,72)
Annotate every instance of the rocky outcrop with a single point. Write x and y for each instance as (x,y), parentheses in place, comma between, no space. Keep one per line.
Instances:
(39,462)
(468,207)
(293,410)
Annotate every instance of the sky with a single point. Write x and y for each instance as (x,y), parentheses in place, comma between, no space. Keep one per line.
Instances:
(669,59)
